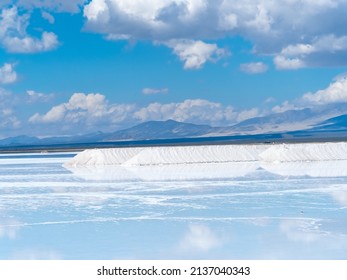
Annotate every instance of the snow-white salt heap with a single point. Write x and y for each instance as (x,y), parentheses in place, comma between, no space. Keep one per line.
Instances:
(167,155)
(305,152)
(142,156)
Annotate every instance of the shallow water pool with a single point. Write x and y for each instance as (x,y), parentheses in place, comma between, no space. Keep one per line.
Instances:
(245,210)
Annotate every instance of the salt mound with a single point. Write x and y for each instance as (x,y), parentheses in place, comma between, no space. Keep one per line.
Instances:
(148,156)
(167,155)
(103,156)
(195,154)
(305,152)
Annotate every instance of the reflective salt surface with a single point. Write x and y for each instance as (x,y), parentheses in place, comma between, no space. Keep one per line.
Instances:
(239,210)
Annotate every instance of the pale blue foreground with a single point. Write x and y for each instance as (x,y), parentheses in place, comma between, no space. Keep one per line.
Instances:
(239,210)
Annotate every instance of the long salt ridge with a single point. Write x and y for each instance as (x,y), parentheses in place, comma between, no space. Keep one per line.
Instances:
(140,156)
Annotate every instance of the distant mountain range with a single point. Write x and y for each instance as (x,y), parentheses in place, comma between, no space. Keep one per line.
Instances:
(160,130)
(303,123)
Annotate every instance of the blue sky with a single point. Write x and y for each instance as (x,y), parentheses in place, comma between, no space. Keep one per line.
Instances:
(77,66)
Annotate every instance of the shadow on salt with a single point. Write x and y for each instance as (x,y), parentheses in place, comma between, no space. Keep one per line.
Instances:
(170,172)
(209,171)
(330,168)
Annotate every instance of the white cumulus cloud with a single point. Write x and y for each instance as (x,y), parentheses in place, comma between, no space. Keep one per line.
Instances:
(285,63)
(86,112)
(195,54)
(336,92)
(7,74)
(248,114)
(149,91)
(47,16)
(80,107)
(34,96)
(285,106)
(291,31)
(90,112)
(318,52)
(198,111)
(71,6)
(254,67)
(14,37)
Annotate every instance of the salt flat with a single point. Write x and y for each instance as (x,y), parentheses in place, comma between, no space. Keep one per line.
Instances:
(227,210)
(166,155)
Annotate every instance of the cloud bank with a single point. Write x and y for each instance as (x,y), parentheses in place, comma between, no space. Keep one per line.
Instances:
(290,30)
(335,93)
(70,6)
(86,112)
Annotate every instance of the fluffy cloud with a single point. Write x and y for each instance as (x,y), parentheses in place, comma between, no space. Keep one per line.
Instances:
(170,23)
(336,92)
(180,19)
(254,67)
(79,107)
(149,91)
(285,106)
(34,96)
(160,20)
(190,110)
(7,74)
(89,112)
(71,6)
(47,16)
(285,63)
(304,55)
(195,54)
(14,37)
(247,114)
(290,30)
(8,119)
